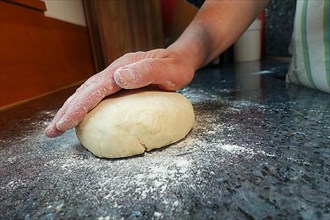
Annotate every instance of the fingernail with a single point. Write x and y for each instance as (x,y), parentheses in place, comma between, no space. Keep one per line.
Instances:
(66,123)
(125,76)
(60,124)
(52,132)
(47,130)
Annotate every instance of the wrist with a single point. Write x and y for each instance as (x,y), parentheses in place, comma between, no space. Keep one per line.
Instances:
(190,53)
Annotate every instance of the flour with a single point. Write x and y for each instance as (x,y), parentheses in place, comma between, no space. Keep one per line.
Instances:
(209,150)
(175,162)
(234,149)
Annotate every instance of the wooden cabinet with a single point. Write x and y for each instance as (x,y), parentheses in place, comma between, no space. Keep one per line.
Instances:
(120,26)
(39,55)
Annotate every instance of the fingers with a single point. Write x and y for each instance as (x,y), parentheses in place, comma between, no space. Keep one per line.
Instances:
(51,130)
(162,72)
(87,96)
(84,101)
(136,75)
(76,107)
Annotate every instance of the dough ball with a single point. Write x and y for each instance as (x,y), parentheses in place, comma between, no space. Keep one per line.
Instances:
(131,122)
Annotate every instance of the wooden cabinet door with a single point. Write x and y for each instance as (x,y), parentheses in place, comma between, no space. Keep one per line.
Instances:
(38,54)
(120,26)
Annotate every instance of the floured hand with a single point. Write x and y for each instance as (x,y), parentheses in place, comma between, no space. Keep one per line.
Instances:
(161,67)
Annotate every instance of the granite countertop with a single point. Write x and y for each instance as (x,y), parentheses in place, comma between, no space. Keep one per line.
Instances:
(259,149)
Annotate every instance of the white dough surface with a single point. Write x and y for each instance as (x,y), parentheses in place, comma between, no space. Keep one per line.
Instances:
(132,122)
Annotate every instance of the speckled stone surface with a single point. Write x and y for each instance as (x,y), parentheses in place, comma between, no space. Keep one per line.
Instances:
(259,149)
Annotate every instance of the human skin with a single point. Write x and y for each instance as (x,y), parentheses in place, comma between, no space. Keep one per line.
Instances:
(217,25)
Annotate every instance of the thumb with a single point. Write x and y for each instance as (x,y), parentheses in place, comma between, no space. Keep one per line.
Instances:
(143,73)
(136,75)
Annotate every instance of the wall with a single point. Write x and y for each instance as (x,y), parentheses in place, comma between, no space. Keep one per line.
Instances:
(71,11)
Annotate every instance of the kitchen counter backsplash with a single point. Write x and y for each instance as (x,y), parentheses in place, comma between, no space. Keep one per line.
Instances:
(279,19)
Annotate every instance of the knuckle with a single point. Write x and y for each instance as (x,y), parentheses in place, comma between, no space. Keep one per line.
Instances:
(148,66)
(165,53)
(128,55)
(133,55)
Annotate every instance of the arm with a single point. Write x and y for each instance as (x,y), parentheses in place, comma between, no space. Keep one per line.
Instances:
(216,26)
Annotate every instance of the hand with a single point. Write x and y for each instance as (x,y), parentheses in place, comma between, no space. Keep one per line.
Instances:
(161,67)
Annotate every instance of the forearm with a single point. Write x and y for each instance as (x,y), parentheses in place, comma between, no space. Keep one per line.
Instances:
(217,25)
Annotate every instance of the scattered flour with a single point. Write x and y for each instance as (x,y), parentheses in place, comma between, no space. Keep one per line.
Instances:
(155,175)
(234,149)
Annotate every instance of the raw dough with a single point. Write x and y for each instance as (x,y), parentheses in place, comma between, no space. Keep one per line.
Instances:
(132,122)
